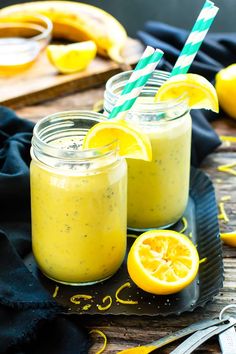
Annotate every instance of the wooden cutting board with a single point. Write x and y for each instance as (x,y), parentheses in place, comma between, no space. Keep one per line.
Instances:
(42,81)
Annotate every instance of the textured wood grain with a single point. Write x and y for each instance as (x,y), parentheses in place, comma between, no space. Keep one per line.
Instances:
(80,100)
(42,82)
(124,332)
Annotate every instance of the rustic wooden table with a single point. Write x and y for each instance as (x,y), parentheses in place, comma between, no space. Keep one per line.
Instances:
(123,332)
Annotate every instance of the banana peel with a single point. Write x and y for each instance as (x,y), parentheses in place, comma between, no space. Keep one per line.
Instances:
(77,22)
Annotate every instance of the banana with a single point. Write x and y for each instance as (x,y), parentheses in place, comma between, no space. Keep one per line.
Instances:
(78,22)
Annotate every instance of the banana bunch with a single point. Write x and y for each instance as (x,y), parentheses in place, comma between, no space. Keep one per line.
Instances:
(78,22)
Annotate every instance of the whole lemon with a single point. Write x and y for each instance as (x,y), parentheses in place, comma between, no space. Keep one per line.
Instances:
(226,89)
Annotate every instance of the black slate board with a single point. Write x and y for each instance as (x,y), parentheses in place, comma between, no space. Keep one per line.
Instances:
(201,214)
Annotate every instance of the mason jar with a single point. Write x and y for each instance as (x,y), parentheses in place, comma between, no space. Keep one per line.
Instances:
(78,201)
(157,190)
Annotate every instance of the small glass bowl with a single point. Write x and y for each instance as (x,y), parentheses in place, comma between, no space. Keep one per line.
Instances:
(22,38)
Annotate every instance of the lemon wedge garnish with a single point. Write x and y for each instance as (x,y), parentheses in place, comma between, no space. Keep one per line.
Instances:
(73,57)
(162,262)
(132,143)
(198,90)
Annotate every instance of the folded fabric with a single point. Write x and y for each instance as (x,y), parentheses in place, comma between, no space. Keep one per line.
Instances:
(31,322)
(218,50)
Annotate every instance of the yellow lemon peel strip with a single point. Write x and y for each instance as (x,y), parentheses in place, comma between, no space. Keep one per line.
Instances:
(227,168)
(86,307)
(231,139)
(55,291)
(75,299)
(104,308)
(225,198)
(203,260)
(222,215)
(132,236)
(103,336)
(126,302)
(185,225)
(218,180)
(98,106)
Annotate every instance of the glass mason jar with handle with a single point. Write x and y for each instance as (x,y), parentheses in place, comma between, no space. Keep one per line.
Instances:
(157,190)
(78,201)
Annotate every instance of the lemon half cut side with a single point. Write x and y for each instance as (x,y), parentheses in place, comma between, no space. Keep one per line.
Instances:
(162,262)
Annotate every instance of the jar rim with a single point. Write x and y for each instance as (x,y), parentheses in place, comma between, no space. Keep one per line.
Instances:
(32,18)
(157,78)
(161,73)
(38,143)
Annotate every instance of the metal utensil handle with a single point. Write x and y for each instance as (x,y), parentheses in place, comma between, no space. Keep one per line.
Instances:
(227,341)
(186,331)
(199,337)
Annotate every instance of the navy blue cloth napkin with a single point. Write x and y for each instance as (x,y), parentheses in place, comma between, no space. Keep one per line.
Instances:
(218,50)
(30,320)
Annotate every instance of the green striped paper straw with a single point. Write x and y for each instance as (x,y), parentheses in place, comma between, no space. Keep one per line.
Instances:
(195,39)
(137,80)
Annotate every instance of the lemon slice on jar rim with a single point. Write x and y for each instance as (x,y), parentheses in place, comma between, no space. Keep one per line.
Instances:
(199,91)
(131,141)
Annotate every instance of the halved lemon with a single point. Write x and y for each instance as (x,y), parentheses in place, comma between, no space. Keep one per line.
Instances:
(199,91)
(73,57)
(229,238)
(132,143)
(162,262)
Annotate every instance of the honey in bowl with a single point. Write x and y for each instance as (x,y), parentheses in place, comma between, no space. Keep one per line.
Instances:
(21,41)
(17,54)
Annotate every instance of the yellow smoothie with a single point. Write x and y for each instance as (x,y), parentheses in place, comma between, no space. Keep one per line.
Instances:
(78,221)
(158,190)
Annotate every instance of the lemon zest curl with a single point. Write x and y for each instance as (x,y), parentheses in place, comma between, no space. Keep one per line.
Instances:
(103,336)
(227,168)
(185,225)
(225,198)
(76,298)
(55,291)
(222,215)
(125,302)
(104,308)
(132,236)
(86,307)
(203,260)
(229,138)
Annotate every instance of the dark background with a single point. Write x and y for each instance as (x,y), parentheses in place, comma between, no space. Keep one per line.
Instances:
(182,13)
